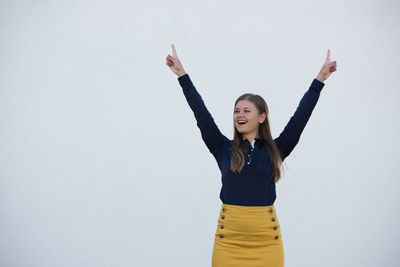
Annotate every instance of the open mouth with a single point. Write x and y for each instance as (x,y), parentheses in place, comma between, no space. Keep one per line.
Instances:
(242,122)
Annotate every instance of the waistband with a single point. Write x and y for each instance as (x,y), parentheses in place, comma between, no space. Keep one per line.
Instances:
(247,209)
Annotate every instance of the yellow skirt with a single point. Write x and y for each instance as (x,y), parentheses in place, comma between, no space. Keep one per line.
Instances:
(248,236)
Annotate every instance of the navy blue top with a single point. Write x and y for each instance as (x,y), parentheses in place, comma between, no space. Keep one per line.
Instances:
(255,185)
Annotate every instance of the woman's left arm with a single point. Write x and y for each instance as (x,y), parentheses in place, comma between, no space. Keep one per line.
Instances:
(290,135)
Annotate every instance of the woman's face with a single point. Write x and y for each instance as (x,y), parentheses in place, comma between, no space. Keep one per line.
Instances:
(246,111)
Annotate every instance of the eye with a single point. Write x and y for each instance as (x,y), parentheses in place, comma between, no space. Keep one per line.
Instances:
(236,111)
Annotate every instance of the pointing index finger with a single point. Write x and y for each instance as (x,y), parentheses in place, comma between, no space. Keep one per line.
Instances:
(173,50)
(328,56)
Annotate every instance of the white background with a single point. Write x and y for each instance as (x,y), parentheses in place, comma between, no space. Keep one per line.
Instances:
(101,161)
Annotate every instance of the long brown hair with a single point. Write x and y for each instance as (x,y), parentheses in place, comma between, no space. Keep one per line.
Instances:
(237,148)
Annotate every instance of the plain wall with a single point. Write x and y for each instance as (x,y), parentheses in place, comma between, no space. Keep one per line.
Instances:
(101,161)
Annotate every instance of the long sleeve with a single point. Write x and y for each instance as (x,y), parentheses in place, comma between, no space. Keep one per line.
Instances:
(290,136)
(211,135)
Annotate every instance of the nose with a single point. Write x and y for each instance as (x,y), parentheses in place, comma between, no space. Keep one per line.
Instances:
(240,114)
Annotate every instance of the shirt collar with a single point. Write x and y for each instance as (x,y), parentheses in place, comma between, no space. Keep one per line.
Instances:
(256,140)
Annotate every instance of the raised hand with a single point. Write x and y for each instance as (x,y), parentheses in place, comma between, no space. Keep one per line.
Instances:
(174,63)
(327,69)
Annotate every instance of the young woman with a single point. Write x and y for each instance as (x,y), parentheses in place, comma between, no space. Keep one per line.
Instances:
(248,231)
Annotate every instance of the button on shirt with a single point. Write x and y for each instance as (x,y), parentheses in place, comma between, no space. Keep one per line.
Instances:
(255,185)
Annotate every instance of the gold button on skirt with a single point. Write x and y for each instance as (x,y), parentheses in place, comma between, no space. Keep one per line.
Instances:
(248,236)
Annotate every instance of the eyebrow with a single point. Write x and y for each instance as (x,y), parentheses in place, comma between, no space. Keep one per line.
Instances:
(243,108)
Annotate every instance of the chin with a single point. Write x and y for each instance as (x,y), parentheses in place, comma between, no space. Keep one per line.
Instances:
(241,132)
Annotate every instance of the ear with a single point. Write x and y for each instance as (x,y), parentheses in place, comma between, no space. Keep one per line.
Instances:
(263,117)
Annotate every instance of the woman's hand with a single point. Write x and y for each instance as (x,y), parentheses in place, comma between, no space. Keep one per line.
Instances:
(174,63)
(327,69)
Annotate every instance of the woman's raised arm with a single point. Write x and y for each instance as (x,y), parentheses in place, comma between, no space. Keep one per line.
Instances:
(290,135)
(210,133)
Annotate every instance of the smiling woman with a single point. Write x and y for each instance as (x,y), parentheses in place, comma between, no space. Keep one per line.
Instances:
(251,121)
(248,231)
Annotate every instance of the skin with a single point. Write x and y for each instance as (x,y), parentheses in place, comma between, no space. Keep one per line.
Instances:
(244,109)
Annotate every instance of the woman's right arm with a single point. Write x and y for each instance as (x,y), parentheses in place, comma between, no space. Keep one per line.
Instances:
(211,135)
(210,132)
